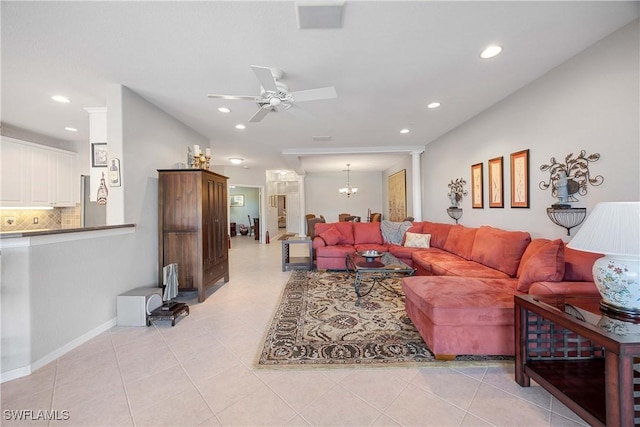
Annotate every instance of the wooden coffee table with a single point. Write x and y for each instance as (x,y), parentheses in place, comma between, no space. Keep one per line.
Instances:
(378,270)
(582,357)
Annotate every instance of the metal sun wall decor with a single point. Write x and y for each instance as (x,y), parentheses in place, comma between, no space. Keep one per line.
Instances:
(571,177)
(456,191)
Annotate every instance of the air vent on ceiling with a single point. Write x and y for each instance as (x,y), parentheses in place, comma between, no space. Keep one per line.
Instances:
(321,138)
(319,14)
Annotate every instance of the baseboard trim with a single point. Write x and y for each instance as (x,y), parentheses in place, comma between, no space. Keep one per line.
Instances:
(34,366)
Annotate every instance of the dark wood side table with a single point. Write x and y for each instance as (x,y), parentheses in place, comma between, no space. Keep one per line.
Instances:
(582,357)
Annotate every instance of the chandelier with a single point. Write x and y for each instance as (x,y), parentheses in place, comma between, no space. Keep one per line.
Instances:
(348,190)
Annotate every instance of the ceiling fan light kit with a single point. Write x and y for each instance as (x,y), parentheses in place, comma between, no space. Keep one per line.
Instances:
(275,95)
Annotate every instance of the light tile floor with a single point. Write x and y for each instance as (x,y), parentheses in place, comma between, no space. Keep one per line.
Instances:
(201,372)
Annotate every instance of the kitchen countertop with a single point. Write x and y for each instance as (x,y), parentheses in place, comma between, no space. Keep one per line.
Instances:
(54,231)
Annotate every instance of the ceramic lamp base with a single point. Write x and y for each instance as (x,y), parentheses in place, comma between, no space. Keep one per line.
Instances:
(617,280)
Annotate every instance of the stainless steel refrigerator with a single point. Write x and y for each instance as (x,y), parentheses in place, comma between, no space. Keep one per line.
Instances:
(93,214)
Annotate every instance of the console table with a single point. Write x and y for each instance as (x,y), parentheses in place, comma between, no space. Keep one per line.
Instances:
(582,357)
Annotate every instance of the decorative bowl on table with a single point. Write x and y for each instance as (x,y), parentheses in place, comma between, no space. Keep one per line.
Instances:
(370,255)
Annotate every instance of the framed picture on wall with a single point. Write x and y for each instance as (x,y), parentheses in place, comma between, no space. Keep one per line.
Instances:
(236,200)
(99,155)
(520,179)
(496,181)
(397,196)
(476,186)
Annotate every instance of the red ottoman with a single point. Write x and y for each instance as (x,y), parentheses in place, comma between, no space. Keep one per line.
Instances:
(460,315)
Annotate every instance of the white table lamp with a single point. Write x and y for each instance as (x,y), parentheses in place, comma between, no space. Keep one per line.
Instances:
(613,229)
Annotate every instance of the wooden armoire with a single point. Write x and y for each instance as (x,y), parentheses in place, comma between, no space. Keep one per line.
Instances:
(192,227)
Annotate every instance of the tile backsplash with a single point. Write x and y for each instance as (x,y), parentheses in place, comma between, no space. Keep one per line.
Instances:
(33,219)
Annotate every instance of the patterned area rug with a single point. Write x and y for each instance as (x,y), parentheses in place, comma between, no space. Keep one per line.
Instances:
(318,323)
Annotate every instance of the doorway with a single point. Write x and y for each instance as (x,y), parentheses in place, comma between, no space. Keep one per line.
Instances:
(244,209)
(282,212)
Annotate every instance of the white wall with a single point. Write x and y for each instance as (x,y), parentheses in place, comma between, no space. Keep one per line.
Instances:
(588,103)
(322,196)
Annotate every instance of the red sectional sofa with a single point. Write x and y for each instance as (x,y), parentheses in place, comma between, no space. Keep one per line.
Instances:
(461,298)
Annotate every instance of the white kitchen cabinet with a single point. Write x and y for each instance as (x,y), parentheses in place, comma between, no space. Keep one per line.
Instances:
(37,176)
(13,190)
(64,189)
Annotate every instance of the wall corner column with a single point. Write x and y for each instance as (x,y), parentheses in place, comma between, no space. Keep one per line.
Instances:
(417,185)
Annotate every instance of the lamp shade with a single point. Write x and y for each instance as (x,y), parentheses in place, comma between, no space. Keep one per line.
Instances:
(613,228)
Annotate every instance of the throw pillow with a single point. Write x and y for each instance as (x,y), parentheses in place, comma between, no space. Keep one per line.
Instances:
(331,236)
(546,265)
(417,240)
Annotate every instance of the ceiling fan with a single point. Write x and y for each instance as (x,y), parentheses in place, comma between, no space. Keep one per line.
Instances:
(274,94)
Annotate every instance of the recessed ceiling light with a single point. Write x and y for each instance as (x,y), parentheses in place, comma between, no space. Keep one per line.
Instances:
(61,98)
(433,105)
(241,127)
(70,129)
(404,131)
(236,160)
(224,110)
(491,51)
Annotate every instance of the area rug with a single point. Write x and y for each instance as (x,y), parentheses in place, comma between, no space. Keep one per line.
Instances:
(318,323)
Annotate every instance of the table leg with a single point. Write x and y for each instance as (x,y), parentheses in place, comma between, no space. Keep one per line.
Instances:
(357,286)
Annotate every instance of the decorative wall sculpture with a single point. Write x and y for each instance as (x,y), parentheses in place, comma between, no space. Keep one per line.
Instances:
(571,177)
(456,191)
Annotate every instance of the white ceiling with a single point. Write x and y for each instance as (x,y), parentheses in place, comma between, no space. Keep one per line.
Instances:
(387,62)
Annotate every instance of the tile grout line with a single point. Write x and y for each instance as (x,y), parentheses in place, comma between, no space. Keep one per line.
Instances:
(124,385)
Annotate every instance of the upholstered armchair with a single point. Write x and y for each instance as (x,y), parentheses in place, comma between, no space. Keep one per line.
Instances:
(376,217)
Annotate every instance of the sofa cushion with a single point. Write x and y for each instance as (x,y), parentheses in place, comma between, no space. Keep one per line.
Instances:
(346,229)
(438,231)
(331,236)
(416,228)
(461,300)
(460,241)
(579,265)
(532,248)
(466,269)
(547,264)
(335,251)
(499,249)
(367,232)
(416,240)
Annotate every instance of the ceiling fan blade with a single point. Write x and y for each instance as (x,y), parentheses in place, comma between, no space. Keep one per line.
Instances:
(250,98)
(259,115)
(314,94)
(265,77)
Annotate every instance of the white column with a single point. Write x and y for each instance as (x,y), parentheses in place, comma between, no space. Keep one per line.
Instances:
(417,185)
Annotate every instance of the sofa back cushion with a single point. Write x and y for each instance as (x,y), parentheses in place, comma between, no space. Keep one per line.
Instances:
(579,265)
(345,229)
(459,240)
(545,265)
(499,249)
(367,232)
(438,231)
(532,248)
(331,236)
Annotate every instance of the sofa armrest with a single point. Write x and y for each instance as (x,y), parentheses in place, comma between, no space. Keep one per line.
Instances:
(563,288)
(318,242)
